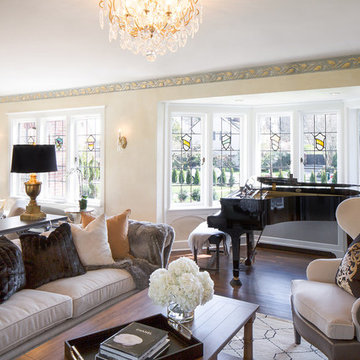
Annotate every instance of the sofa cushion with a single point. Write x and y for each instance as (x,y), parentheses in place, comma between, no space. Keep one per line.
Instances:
(92,242)
(348,274)
(93,288)
(117,227)
(50,258)
(30,312)
(326,306)
(12,271)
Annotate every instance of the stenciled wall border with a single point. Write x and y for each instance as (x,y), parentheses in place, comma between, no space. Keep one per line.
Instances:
(293,68)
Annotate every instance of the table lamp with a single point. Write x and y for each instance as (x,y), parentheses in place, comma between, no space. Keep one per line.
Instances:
(33,159)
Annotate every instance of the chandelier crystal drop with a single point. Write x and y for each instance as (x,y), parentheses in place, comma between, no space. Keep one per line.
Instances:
(151,27)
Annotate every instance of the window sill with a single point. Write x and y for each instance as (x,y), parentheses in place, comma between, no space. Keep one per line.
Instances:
(193,209)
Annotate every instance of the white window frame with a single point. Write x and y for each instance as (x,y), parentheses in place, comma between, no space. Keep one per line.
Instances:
(208,115)
(71,192)
(339,143)
(203,201)
(257,151)
(250,155)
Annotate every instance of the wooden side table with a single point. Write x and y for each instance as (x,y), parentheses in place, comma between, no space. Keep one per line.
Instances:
(74,214)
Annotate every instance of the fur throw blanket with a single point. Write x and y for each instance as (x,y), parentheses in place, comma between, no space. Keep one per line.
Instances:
(139,269)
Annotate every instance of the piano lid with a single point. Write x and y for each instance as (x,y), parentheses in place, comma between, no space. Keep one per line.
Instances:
(289,182)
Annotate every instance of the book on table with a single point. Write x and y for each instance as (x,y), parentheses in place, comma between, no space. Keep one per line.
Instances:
(136,341)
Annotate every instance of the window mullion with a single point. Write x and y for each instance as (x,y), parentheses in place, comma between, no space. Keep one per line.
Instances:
(207,166)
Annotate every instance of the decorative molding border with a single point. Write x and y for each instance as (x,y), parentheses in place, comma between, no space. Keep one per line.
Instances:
(293,68)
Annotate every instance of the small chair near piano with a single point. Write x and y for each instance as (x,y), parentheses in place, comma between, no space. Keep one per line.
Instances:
(323,313)
(203,235)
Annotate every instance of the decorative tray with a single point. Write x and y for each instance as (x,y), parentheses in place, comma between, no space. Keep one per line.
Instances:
(181,347)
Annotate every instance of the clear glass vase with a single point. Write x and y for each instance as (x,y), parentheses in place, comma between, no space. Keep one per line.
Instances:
(177,313)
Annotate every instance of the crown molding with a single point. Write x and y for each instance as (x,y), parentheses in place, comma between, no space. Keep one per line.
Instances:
(293,68)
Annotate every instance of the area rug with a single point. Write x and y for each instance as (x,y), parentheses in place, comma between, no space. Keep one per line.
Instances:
(273,339)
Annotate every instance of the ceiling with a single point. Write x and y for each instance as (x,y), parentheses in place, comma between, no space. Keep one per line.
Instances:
(52,44)
(344,94)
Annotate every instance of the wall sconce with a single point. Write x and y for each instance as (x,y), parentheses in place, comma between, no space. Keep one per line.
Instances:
(122,141)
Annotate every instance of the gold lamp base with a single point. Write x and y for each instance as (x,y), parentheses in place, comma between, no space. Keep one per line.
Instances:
(32,212)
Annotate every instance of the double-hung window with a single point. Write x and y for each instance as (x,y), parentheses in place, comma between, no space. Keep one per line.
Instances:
(78,138)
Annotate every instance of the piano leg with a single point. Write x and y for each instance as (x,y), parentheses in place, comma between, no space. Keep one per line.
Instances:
(249,248)
(235,242)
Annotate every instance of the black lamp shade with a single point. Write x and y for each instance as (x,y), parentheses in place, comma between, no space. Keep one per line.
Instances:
(33,159)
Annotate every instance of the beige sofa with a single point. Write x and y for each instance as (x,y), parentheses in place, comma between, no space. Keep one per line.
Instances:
(30,317)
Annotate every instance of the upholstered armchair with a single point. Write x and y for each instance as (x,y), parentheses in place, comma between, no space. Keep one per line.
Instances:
(323,313)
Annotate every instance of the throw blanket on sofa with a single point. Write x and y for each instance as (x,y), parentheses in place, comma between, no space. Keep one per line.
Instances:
(139,269)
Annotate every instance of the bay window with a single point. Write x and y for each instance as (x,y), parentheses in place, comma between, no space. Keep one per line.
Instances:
(212,152)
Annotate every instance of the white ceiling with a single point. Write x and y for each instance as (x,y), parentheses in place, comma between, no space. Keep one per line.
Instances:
(345,94)
(52,44)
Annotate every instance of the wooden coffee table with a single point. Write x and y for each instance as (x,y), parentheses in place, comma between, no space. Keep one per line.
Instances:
(215,324)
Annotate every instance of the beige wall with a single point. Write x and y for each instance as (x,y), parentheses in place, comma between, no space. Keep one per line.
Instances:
(130,175)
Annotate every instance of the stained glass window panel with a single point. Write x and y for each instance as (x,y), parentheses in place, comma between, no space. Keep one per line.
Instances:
(88,153)
(186,150)
(320,147)
(56,135)
(275,145)
(226,155)
(26,132)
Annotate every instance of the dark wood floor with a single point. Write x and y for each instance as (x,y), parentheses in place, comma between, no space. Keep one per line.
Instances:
(266,283)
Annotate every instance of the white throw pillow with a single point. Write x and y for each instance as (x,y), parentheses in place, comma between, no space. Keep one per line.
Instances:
(92,242)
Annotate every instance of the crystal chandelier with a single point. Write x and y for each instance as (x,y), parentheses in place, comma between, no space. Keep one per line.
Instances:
(150,27)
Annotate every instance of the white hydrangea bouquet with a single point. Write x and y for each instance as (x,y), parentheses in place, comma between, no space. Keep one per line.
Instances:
(182,288)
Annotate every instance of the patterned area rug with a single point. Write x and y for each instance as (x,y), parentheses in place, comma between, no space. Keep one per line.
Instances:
(274,339)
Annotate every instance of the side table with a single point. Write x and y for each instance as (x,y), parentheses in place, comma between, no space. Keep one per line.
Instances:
(14,224)
(74,214)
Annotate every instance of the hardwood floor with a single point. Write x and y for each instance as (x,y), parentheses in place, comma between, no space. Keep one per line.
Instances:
(267,283)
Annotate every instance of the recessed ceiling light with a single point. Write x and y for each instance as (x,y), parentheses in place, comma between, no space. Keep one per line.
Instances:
(239,100)
(335,93)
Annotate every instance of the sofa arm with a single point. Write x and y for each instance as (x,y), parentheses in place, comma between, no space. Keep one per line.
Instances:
(150,241)
(323,270)
(355,313)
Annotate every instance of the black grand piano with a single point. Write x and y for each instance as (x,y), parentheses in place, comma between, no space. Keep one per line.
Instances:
(276,200)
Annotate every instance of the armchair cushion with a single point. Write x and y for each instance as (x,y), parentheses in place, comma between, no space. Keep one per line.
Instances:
(323,270)
(355,312)
(326,306)
(348,274)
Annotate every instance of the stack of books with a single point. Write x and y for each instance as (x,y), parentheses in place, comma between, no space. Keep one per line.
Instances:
(136,341)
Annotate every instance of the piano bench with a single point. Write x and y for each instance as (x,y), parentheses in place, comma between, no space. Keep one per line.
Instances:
(213,240)
(202,235)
